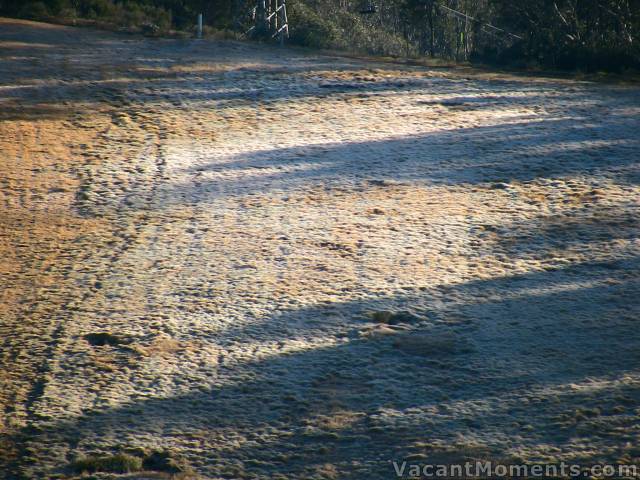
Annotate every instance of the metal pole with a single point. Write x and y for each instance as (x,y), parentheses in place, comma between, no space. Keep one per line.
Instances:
(275,17)
(199,25)
(262,26)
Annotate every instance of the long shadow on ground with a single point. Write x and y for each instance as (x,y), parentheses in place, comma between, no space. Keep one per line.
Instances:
(529,366)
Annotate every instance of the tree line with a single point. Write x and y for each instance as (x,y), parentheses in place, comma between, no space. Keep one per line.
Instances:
(563,34)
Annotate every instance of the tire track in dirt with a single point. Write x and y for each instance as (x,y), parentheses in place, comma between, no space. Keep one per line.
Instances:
(44,322)
(37,260)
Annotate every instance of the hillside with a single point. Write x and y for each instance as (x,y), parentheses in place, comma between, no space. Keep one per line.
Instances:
(265,263)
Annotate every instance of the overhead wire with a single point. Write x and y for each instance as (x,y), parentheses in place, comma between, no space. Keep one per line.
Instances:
(484,24)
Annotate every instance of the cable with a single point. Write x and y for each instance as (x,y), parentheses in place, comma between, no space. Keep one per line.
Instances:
(479,21)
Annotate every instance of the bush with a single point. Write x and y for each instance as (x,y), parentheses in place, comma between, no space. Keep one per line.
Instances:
(56,7)
(128,13)
(35,11)
(319,25)
(96,8)
(310,29)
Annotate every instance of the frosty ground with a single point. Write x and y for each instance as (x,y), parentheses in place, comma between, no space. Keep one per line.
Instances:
(276,264)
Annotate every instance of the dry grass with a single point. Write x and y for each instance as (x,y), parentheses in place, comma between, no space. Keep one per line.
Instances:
(119,463)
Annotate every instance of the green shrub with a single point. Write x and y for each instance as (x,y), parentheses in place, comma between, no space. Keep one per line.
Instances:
(96,8)
(35,10)
(58,7)
(309,29)
(321,25)
(133,14)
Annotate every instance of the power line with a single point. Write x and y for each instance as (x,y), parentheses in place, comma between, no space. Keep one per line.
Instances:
(456,12)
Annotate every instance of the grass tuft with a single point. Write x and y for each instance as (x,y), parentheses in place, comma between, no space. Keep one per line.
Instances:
(119,463)
(164,461)
(103,338)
